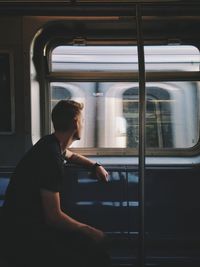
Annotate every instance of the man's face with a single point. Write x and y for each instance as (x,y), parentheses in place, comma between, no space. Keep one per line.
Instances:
(79,127)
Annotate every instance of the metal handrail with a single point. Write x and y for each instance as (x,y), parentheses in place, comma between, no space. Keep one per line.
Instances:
(142,114)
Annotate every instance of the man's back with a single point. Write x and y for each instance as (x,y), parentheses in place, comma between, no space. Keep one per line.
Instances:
(41,167)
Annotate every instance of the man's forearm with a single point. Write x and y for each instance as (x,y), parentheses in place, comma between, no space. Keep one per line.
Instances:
(65,222)
(81,160)
(96,168)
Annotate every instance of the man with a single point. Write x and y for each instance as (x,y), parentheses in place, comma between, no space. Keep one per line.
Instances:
(36,230)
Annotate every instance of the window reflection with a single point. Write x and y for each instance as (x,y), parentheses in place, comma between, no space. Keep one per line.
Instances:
(112,113)
(112,108)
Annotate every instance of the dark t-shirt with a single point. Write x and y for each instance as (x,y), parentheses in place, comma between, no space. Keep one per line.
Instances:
(42,167)
(26,238)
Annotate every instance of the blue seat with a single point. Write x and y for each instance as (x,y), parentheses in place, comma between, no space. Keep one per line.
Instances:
(4,180)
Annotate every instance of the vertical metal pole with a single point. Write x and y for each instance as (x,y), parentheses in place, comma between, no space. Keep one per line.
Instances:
(96,128)
(142,114)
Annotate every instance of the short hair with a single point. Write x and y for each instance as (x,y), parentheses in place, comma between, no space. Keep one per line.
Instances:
(64,113)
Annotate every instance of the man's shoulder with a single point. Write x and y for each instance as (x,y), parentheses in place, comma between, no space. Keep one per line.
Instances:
(47,148)
(47,143)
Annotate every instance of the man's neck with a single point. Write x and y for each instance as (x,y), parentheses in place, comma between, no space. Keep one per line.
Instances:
(64,138)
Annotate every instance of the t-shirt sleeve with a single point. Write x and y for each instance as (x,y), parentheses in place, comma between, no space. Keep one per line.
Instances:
(50,177)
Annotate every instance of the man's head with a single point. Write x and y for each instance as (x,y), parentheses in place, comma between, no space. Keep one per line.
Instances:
(66,116)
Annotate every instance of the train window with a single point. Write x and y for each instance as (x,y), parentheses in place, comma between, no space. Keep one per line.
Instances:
(172,58)
(112,107)
(112,114)
(153,120)
(94,58)
(58,93)
(6,97)
(109,58)
(172,110)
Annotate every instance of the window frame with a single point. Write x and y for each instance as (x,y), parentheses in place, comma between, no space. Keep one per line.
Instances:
(51,37)
(151,76)
(9,52)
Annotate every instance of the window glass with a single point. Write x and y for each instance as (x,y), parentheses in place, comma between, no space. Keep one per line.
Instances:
(58,93)
(112,108)
(124,58)
(94,58)
(111,113)
(171,58)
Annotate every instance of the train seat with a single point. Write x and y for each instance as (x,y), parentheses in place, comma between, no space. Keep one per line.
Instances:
(4,180)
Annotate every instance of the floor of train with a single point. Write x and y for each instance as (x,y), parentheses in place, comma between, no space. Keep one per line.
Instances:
(3,263)
(159,264)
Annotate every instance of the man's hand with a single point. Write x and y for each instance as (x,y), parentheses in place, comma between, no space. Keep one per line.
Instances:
(101,173)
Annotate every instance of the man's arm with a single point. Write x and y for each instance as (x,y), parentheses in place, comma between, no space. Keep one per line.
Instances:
(76,158)
(55,217)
